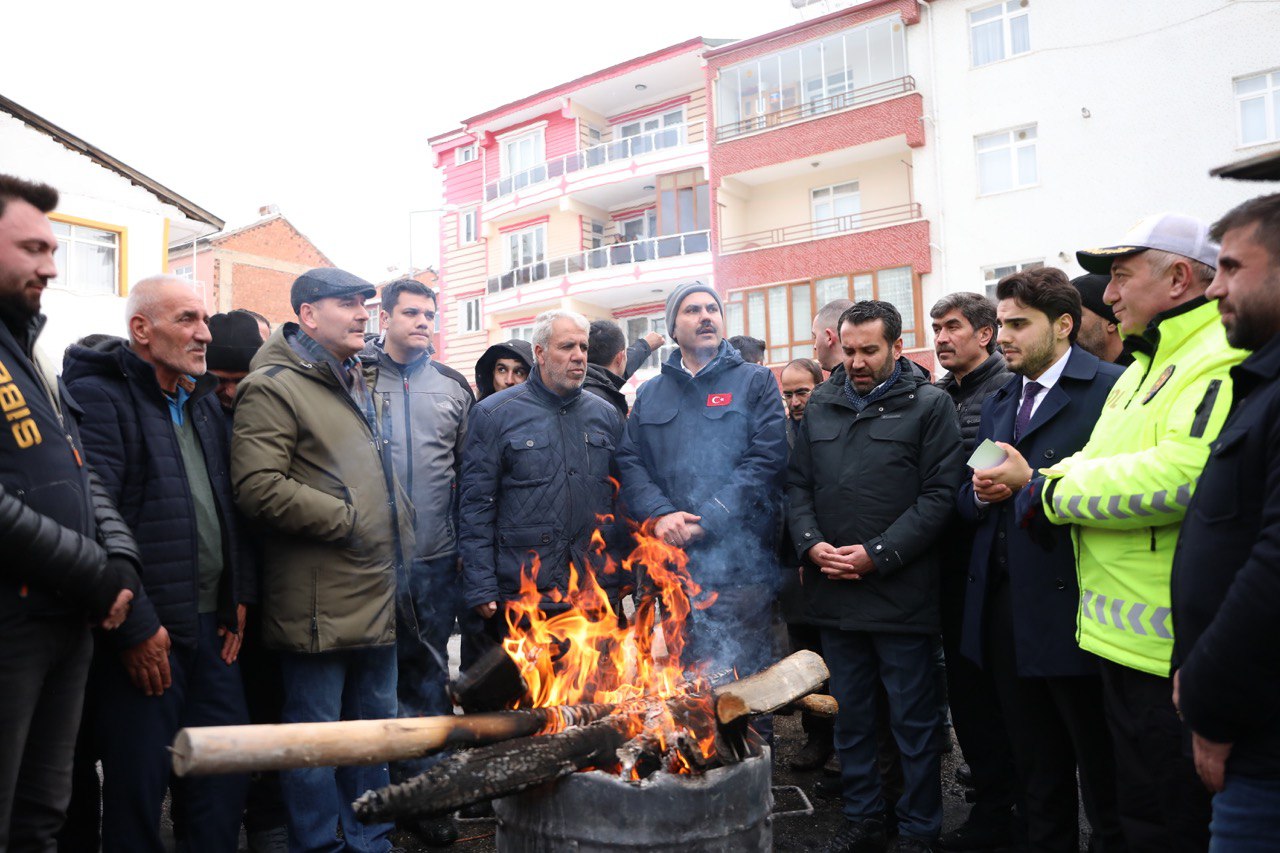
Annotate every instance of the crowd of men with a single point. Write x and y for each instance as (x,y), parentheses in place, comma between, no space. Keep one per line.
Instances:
(1067,544)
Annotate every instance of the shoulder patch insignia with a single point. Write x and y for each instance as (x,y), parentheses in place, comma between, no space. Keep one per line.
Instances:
(1155,389)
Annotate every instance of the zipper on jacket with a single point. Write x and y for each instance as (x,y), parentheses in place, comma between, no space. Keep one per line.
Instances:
(408,438)
(1153,538)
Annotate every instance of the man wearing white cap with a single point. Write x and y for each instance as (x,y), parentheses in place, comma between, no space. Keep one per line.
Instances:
(1127,492)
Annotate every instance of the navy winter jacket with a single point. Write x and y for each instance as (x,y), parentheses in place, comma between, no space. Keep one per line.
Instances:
(535,481)
(130,441)
(714,445)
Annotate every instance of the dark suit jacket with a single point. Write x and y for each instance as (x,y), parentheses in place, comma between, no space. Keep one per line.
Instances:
(1040,559)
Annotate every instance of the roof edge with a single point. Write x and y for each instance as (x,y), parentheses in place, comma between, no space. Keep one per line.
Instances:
(786,31)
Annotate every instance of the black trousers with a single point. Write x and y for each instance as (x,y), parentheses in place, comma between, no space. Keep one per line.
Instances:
(1163,805)
(1055,725)
(975,712)
(43,667)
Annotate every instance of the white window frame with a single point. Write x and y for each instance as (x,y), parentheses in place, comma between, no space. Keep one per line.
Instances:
(1270,95)
(538,237)
(1009,11)
(520,333)
(471,316)
(509,143)
(652,323)
(992,274)
(1017,139)
(65,257)
(468,226)
(465,154)
(661,119)
(186,271)
(648,220)
(830,190)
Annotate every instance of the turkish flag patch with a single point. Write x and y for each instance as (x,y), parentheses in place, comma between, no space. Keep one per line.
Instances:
(719,399)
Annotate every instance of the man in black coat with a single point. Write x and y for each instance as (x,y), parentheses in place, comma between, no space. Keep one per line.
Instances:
(1226,571)
(606,362)
(68,557)
(871,485)
(964,338)
(1020,610)
(156,433)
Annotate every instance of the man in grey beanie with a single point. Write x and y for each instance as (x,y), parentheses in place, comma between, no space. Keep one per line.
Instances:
(703,460)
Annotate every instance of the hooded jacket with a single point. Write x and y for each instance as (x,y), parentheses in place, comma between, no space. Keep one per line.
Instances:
(715,445)
(884,478)
(58,526)
(307,466)
(535,483)
(129,438)
(514,348)
(424,417)
(607,385)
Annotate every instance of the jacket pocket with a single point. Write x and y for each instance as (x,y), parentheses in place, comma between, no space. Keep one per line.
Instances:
(1225,454)
(599,453)
(529,459)
(523,550)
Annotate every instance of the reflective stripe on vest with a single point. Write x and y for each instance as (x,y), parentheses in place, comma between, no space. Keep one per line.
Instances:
(1125,616)
(1124,506)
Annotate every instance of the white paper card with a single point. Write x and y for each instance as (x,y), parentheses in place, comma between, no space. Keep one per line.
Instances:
(987,455)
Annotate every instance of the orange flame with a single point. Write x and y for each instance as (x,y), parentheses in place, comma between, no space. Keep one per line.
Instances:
(571,647)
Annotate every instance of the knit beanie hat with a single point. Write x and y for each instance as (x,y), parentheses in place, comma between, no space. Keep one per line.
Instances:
(235,341)
(678,295)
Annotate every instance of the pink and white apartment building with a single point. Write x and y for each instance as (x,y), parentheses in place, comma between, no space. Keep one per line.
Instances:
(777,168)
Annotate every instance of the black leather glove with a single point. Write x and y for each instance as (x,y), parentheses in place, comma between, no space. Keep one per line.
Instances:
(117,575)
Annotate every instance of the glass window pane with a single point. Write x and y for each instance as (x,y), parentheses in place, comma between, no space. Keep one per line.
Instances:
(831,289)
(834,65)
(862,288)
(1019,35)
(755,314)
(1249,85)
(991,140)
(686,221)
(778,355)
(880,54)
(733,319)
(667,218)
(801,313)
(770,83)
(727,97)
(1253,120)
(790,82)
(985,14)
(995,171)
(987,42)
(778,325)
(895,288)
(94,268)
(802,351)
(703,201)
(60,229)
(811,66)
(673,117)
(1027,165)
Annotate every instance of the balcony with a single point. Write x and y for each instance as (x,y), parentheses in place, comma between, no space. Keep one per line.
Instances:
(603,258)
(866,220)
(619,152)
(817,108)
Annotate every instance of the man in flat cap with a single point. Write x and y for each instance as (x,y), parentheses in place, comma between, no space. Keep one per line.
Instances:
(306,466)
(1099,332)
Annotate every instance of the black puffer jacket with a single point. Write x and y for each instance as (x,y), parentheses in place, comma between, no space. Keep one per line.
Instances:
(608,387)
(130,440)
(57,524)
(885,479)
(969,395)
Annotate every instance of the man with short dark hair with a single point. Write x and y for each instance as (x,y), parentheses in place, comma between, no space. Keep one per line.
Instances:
(308,467)
(69,560)
(751,349)
(1226,571)
(158,436)
(536,476)
(797,380)
(425,406)
(1099,328)
(606,362)
(703,460)
(886,441)
(1020,610)
(964,339)
(1126,493)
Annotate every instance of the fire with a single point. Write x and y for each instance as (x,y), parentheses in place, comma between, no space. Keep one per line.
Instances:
(572,647)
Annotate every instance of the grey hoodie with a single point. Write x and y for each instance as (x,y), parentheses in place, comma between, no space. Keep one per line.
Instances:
(424,409)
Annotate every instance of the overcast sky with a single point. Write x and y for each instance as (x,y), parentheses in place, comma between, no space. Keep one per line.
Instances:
(325,113)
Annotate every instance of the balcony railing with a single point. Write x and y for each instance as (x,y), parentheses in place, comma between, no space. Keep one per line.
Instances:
(619,254)
(817,107)
(588,158)
(847,224)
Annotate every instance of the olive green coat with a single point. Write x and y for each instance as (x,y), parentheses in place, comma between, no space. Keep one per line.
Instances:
(308,469)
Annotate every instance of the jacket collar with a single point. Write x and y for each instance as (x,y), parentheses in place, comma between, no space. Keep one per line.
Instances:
(908,381)
(726,356)
(1262,364)
(23,329)
(539,389)
(994,363)
(1174,325)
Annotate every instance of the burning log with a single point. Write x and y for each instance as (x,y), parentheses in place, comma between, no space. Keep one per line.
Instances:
(241,749)
(507,768)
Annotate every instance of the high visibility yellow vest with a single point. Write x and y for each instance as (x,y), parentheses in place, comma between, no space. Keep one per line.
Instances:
(1129,488)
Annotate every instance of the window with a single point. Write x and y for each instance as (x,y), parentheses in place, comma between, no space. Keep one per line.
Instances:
(812,78)
(88,258)
(471,318)
(468,229)
(835,208)
(522,153)
(526,247)
(187,272)
(782,314)
(465,154)
(1007,160)
(638,327)
(683,203)
(638,227)
(991,275)
(520,333)
(1258,108)
(374,307)
(999,31)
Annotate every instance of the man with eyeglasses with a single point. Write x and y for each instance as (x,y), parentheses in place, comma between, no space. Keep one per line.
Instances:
(798,380)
